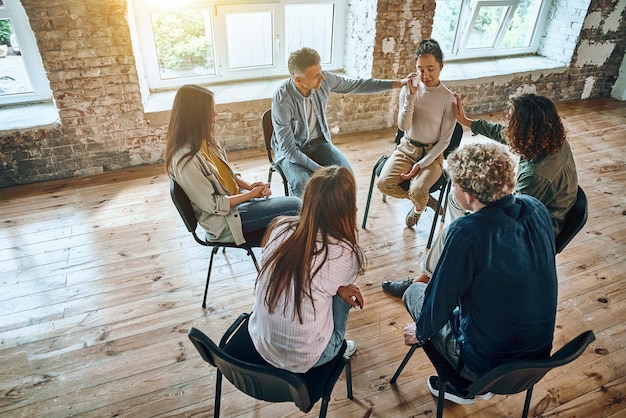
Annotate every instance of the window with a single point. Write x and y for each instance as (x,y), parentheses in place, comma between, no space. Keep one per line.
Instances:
(22,77)
(486,28)
(211,42)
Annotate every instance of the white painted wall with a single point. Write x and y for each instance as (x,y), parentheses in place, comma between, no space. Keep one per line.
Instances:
(619,89)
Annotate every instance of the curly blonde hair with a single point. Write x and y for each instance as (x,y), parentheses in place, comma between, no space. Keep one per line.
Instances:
(485,170)
(534,127)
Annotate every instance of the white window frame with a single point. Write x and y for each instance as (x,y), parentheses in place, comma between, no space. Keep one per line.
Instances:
(221,54)
(141,10)
(14,11)
(462,49)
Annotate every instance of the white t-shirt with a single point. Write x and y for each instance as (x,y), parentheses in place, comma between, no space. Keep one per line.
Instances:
(280,338)
(314,126)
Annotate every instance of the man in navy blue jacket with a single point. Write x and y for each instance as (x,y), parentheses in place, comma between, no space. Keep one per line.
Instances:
(493,295)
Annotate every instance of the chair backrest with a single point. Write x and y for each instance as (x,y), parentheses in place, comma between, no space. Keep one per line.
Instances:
(183,204)
(237,359)
(260,381)
(455,141)
(517,376)
(268,130)
(574,221)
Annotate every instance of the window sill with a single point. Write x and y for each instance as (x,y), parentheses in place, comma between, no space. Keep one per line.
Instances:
(31,116)
(236,92)
(498,67)
(159,104)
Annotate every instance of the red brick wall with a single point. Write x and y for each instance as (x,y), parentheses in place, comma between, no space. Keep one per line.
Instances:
(87,53)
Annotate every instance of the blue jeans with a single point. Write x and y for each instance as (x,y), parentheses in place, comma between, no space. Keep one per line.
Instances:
(340,319)
(322,152)
(256,214)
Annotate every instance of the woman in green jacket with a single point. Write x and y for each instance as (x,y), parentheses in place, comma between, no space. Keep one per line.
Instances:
(546,168)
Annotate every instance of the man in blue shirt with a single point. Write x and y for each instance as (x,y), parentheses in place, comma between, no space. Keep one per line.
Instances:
(301,139)
(493,294)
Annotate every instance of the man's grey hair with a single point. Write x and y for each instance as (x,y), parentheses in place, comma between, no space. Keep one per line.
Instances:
(302,59)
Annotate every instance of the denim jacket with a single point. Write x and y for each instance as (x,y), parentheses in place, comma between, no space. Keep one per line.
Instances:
(289,117)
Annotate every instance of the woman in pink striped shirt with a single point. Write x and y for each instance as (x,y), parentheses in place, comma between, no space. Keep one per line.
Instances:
(305,289)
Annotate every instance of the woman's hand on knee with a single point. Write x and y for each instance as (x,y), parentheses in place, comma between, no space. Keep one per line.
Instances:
(351,294)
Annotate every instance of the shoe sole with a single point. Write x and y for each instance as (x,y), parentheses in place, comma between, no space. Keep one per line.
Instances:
(484,396)
(450,397)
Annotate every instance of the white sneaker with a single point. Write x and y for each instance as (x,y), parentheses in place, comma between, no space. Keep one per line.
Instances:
(350,348)
(484,396)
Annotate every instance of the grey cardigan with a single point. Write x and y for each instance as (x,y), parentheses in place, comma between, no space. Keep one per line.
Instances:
(209,198)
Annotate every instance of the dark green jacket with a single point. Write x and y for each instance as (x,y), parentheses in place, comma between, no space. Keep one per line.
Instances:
(552,179)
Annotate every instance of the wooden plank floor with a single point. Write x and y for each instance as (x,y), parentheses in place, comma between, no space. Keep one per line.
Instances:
(101,281)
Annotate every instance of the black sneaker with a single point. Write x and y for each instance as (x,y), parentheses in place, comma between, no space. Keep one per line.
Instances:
(397,288)
(450,394)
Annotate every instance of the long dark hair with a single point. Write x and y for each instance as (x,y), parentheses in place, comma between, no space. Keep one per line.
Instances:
(192,121)
(328,210)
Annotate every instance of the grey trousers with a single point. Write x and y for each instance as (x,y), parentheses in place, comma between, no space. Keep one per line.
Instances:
(445,341)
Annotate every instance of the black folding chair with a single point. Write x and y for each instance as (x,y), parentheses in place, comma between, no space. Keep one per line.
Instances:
(237,359)
(507,379)
(185,210)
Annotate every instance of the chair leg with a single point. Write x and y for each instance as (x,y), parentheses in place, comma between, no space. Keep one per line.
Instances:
(285,182)
(433,226)
(208,275)
(323,408)
(443,196)
(218,394)
(441,397)
(404,362)
(369,198)
(529,394)
(349,379)
(251,254)
(325,401)
(445,203)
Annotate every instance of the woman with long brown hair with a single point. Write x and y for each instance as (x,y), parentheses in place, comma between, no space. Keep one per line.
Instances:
(305,288)
(226,205)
